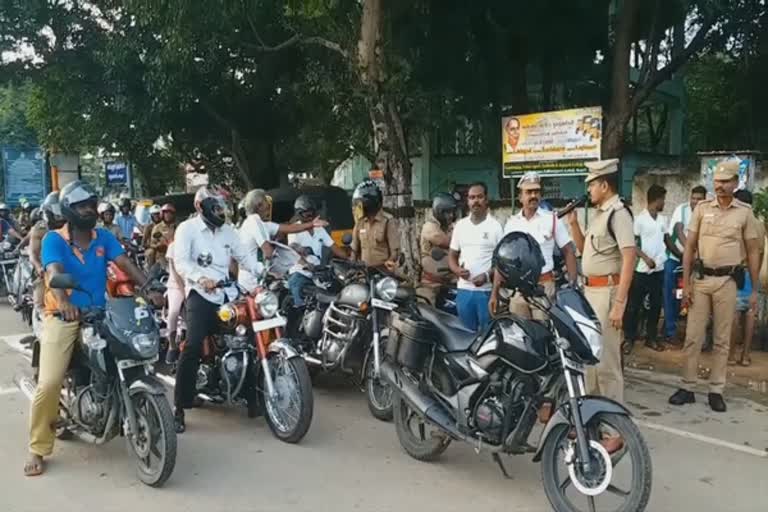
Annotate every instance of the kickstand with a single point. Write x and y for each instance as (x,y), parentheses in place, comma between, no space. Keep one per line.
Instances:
(497,459)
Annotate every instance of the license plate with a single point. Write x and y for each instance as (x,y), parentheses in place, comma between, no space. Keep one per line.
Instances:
(378,303)
(679,294)
(263,325)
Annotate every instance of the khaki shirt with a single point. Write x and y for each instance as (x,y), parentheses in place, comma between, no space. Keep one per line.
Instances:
(146,238)
(376,242)
(429,231)
(114,229)
(723,232)
(166,232)
(602,253)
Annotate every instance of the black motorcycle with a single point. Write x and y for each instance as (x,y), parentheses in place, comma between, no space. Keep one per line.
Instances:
(346,332)
(110,388)
(489,388)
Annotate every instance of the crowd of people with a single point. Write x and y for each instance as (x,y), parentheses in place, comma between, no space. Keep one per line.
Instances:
(624,259)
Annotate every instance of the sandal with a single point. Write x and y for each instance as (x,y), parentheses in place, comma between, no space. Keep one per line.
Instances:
(34,466)
(746,361)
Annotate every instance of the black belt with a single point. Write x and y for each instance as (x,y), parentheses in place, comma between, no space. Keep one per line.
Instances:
(719,271)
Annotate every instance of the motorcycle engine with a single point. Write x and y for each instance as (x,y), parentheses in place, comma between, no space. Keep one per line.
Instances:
(499,410)
(231,370)
(204,376)
(91,404)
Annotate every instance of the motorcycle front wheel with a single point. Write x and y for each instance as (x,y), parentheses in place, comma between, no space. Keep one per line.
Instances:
(289,413)
(377,390)
(155,442)
(618,481)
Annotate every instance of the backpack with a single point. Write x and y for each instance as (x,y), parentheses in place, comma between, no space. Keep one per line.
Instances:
(610,218)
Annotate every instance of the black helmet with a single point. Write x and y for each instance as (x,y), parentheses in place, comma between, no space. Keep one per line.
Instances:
(52,211)
(211,206)
(444,205)
(74,194)
(369,195)
(36,215)
(304,205)
(519,261)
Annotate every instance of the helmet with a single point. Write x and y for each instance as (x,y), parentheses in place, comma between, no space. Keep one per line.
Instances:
(36,215)
(155,209)
(369,196)
(304,205)
(74,194)
(168,207)
(105,207)
(443,205)
(519,260)
(4,210)
(211,206)
(52,211)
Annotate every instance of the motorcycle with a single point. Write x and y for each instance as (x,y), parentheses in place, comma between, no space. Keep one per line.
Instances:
(489,388)
(346,332)
(9,257)
(110,389)
(21,293)
(249,356)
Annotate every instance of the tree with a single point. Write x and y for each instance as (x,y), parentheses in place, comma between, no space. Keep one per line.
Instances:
(14,126)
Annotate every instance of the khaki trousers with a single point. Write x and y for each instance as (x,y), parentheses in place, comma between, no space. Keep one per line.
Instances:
(518,305)
(428,291)
(607,378)
(714,296)
(58,341)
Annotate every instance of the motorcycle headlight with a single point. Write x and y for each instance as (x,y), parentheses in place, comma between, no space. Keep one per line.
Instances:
(268,303)
(386,289)
(227,313)
(146,345)
(7,246)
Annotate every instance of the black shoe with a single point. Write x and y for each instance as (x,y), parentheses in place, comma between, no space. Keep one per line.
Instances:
(655,345)
(682,397)
(716,402)
(171,356)
(178,421)
(626,347)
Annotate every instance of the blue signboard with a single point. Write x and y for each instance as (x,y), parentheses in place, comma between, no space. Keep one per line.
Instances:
(24,175)
(117,173)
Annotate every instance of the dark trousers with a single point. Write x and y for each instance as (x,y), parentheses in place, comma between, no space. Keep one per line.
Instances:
(642,285)
(202,321)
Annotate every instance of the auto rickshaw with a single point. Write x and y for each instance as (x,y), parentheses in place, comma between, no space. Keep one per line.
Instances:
(334,204)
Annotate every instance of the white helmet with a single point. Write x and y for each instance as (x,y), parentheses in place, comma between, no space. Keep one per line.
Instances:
(155,209)
(105,207)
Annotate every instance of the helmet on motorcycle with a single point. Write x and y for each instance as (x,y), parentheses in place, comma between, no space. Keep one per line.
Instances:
(444,208)
(368,195)
(211,207)
(52,211)
(518,259)
(304,206)
(105,207)
(72,197)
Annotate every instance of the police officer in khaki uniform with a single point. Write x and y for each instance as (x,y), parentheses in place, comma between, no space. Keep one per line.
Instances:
(723,233)
(162,233)
(608,263)
(155,217)
(436,233)
(375,240)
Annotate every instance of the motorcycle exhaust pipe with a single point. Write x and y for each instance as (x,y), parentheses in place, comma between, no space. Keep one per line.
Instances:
(423,405)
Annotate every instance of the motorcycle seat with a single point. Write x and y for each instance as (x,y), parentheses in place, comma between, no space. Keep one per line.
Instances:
(451,332)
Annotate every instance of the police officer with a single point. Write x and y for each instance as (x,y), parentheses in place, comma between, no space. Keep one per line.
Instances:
(436,233)
(375,240)
(723,231)
(107,216)
(549,232)
(608,263)
(162,233)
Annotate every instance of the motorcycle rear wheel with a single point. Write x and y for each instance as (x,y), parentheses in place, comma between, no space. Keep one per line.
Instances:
(156,439)
(289,415)
(426,446)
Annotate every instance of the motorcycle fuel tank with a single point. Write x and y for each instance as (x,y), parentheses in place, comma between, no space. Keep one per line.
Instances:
(353,295)
(522,343)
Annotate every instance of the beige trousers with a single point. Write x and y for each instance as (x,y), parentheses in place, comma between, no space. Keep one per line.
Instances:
(58,341)
(607,378)
(429,291)
(714,296)
(518,305)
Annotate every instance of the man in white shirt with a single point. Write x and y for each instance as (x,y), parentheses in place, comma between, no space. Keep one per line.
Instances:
(309,245)
(257,234)
(678,231)
(651,230)
(204,247)
(470,258)
(547,230)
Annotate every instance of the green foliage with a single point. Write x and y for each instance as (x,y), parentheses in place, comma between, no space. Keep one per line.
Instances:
(15,129)
(760,204)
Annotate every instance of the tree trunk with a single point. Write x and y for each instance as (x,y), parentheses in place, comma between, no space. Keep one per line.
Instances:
(389,137)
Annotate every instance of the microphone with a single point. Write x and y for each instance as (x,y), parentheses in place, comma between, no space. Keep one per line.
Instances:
(576,203)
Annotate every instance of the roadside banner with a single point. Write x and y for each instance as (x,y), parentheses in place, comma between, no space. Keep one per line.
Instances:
(551,143)
(24,174)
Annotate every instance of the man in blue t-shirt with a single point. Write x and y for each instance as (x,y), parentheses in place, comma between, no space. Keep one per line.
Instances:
(83,251)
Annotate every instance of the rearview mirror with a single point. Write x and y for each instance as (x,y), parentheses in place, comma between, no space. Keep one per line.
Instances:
(437,253)
(63,282)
